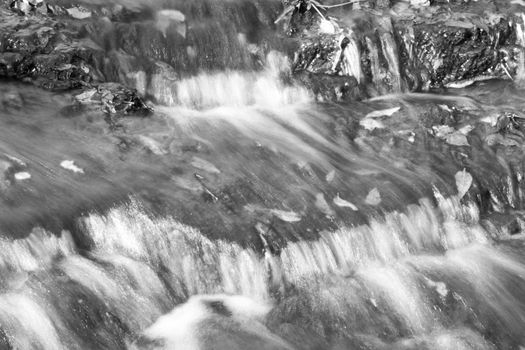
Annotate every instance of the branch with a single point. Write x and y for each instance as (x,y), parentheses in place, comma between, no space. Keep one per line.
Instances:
(339,5)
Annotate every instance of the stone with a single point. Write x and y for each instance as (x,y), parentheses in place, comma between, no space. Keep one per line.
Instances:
(36,3)
(432,47)
(113,98)
(22,6)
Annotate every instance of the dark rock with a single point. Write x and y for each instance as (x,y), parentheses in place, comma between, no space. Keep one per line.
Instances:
(8,63)
(413,50)
(507,224)
(455,53)
(437,115)
(332,88)
(40,51)
(55,10)
(21,6)
(509,122)
(113,98)
(321,54)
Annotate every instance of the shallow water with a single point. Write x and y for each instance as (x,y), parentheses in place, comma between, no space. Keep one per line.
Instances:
(243,214)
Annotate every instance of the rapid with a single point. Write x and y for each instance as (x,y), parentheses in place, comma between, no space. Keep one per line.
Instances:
(247,213)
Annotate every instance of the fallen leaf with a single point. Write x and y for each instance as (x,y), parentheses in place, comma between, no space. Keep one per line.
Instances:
(343,203)
(330,176)
(463,182)
(371,124)
(322,204)
(442,131)
(288,216)
(203,164)
(152,145)
(457,139)
(466,129)
(22,176)
(383,113)
(79,13)
(326,27)
(460,84)
(491,119)
(445,107)
(373,197)
(70,165)
(86,96)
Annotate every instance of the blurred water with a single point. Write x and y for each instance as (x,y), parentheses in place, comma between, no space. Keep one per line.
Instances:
(242,214)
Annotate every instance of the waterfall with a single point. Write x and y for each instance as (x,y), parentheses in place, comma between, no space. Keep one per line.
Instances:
(237,211)
(351,64)
(233,88)
(137,261)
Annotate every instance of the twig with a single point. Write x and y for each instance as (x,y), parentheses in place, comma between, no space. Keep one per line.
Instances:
(319,12)
(316,5)
(284,14)
(340,5)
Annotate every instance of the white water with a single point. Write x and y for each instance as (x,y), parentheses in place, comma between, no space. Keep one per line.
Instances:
(233,88)
(429,276)
(351,64)
(385,259)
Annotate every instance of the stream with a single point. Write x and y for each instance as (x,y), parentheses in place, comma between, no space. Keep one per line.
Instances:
(246,212)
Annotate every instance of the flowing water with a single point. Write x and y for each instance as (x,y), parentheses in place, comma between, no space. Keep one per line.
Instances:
(243,214)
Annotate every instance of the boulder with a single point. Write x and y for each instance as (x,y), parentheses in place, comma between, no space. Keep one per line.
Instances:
(443,45)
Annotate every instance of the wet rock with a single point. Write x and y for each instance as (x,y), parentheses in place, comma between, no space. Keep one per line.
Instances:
(322,55)
(40,51)
(435,115)
(326,87)
(509,122)
(36,3)
(21,6)
(506,224)
(113,98)
(434,47)
(55,10)
(509,131)
(459,52)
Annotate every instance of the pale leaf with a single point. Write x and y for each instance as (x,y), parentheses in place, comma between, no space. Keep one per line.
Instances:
(463,182)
